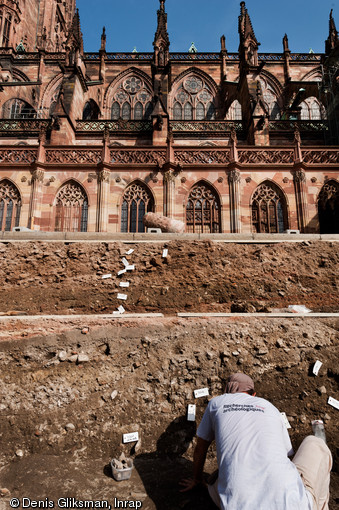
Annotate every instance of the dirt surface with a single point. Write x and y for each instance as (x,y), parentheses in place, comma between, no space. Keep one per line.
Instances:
(62,419)
(66,278)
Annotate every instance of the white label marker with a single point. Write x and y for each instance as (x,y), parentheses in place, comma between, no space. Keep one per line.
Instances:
(333,402)
(123,271)
(122,296)
(104,276)
(191,412)
(130,268)
(203,392)
(129,252)
(124,284)
(164,253)
(125,261)
(317,366)
(131,437)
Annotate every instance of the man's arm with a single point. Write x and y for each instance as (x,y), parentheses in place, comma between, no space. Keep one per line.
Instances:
(199,458)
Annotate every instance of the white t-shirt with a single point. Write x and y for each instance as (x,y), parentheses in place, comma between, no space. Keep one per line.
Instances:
(252,446)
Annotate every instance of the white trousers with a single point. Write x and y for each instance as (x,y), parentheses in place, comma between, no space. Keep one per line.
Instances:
(313,460)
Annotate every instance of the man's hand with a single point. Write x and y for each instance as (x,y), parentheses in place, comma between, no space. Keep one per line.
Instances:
(189,484)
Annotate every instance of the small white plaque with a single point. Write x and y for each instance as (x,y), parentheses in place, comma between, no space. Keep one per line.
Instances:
(203,392)
(132,437)
(125,261)
(121,309)
(104,276)
(317,366)
(123,271)
(285,420)
(191,412)
(130,268)
(129,252)
(124,284)
(122,296)
(333,402)
(165,253)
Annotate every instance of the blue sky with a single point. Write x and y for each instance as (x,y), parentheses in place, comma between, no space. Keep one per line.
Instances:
(131,23)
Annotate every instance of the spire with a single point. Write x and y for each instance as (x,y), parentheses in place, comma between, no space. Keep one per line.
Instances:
(285,43)
(74,40)
(161,40)
(248,47)
(333,38)
(103,40)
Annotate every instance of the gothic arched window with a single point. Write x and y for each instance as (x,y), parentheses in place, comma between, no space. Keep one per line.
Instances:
(269,211)
(71,213)
(270,99)
(132,100)
(18,109)
(234,111)
(7,30)
(193,100)
(137,201)
(203,210)
(10,205)
(328,208)
(91,111)
(312,109)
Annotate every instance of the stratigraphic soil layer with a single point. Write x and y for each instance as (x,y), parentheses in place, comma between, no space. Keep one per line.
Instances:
(66,278)
(63,416)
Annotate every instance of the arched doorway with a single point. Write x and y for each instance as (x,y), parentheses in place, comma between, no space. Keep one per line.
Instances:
(10,205)
(137,201)
(71,213)
(328,208)
(269,211)
(203,210)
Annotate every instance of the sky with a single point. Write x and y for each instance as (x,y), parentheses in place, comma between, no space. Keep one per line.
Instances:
(132,23)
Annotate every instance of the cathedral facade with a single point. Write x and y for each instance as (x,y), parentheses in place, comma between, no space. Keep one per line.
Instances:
(225,142)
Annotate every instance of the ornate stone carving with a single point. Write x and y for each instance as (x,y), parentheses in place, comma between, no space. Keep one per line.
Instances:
(183,180)
(18,155)
(248,180)
(23,178)
(71,194)
(203,156)
(233,176)
(299,176)
(321,156)
(80,156)
(9,192)
(38,175)
(103,176)
(127,156)
(285,180)
(134,126)
(275,156)
(205,126)
(313,179)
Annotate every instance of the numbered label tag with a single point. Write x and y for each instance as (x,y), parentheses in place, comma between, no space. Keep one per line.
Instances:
(122,296)
(333,402)
(130,268)
(129,252)
(131,437)
(203,392)
(191,412)
(317,366)
(124,284)
(104,276)
(125,261)
(165,253)
(123,271)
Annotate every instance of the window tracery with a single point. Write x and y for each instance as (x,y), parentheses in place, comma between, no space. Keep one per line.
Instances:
(269,211)
(203,210)
(71,208)
(194,100)
(132,100)
(137,201)
(234,112)
(312,109)
(18,109)
(10,206)
(270,100)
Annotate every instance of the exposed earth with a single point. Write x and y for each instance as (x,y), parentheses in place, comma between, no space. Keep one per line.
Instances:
(72,387)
